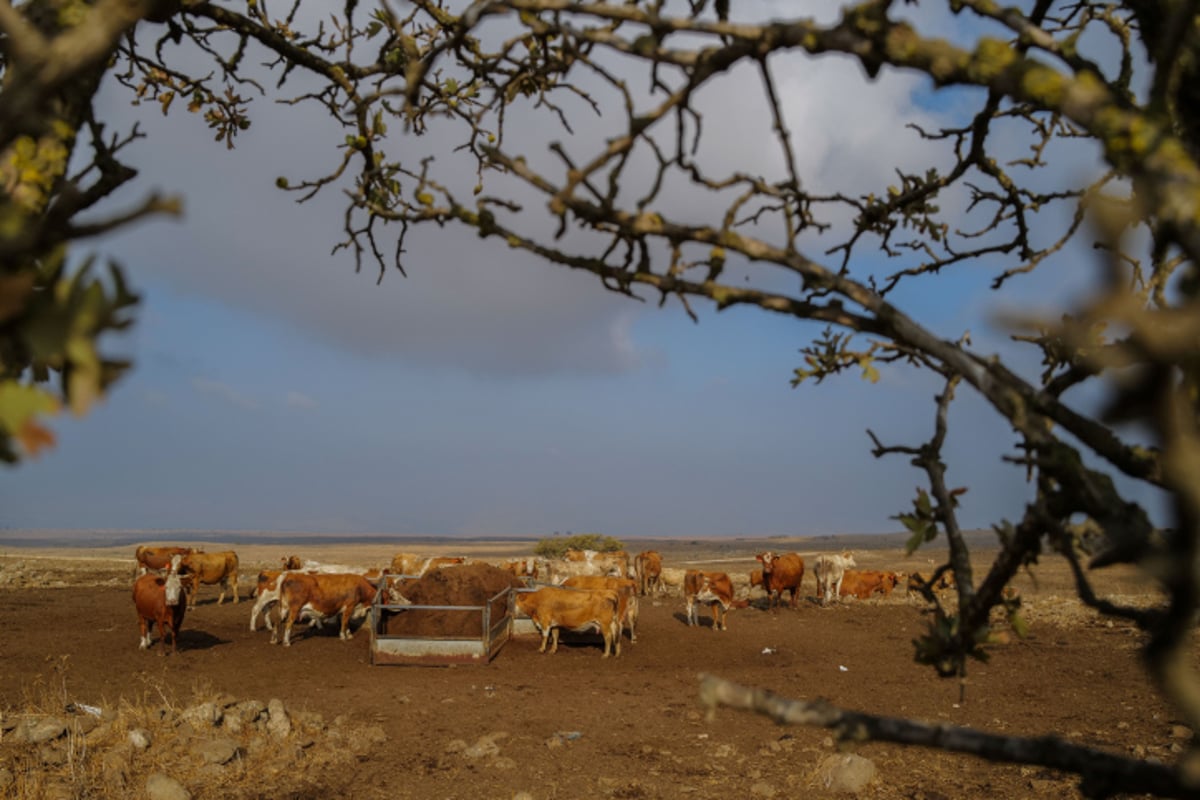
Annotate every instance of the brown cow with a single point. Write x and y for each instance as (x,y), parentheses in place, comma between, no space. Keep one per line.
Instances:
(210,568)
(864,583)
(553,607)
(266,592)
(160,599)
(713,588)
(626,589)
(320,595)
(781,573)
(158,558)
(647,567)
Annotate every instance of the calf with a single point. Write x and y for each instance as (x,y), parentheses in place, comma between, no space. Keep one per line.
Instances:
(266,591)
(552,608)
(829,570)
(626,589)
(647,568)
(713,588)
(211,568)
(321,595)
(781,573)
(160,599)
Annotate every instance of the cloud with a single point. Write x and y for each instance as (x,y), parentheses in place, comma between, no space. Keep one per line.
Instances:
(225,392)
(300,400)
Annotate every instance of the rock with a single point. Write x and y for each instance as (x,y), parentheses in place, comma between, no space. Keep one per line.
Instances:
(217,751)
(279,724)
(310,720)
(204,715)
(52,756)
(1181,732)
(486,747)
(846,772)
(503,762)
(164,787)
(40,730)
(247,711)
(763,789)
(139,738)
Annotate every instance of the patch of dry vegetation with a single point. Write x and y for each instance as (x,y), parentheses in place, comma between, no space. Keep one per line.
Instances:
(211,745)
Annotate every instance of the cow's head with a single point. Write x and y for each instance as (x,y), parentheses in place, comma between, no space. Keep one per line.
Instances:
(291,562)
(174,585)
(768,561)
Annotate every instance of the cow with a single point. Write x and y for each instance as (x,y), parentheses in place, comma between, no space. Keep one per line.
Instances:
(609,562)
(781,573)
(672,579)
(210,568)
(266,591)
(522,567)
(321,595)
(416,566)
(552,608)
(864,583)
(647,568)
(157,558)
(161,600)
(713,588)
(626,589)
(829,571)
(560,569)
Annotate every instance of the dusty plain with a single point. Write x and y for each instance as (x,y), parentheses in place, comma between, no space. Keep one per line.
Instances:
(574,725)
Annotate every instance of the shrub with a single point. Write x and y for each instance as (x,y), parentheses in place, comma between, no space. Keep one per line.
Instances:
(555,547)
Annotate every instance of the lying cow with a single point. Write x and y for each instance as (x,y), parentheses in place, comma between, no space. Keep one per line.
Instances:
(211,568)
(552,608)
(830,570)
(713,588)
(626,589)
(161,600)
(864,583)
(322,595)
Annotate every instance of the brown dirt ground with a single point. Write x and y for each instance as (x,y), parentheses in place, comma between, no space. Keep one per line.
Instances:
(641,733)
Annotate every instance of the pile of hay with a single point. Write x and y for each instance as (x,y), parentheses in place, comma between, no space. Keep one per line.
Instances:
(469,585)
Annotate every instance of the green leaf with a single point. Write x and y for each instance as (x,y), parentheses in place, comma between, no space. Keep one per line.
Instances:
(20,403)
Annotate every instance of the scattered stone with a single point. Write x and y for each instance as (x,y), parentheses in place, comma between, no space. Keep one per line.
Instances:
(763,789)
(279,724)
(204,715)
(164,787)
(40,730)
(217,751)
(503,762)
(1181,732)
(52,756)
(248,711)
(486,747)
(139,738)
(846,772)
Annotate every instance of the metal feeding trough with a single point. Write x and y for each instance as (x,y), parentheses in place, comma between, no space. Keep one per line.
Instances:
(440,634)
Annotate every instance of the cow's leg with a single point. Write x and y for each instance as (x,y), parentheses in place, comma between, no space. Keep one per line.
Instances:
(234,580)
(259,604)
(554,639)
(691,612)
(345,633)
(545,638)
(144,631)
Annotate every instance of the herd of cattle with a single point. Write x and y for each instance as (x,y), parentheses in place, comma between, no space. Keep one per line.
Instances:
(585,590)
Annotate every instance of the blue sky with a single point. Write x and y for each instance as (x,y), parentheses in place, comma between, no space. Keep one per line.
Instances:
(275,389)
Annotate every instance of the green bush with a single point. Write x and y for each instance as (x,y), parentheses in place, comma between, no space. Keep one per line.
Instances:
(556,546)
